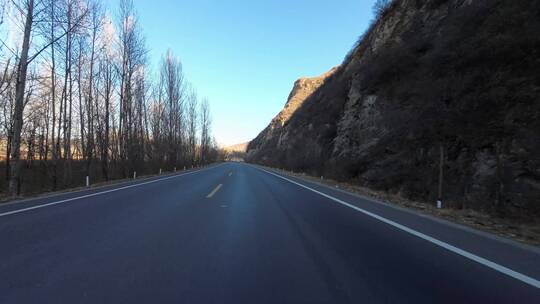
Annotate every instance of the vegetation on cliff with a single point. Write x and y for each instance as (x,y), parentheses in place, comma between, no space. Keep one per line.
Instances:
(438,98)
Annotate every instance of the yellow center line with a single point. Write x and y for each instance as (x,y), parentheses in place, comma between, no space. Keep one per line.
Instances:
(214,191)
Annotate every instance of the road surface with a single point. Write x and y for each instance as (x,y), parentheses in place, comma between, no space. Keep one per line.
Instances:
(234,233)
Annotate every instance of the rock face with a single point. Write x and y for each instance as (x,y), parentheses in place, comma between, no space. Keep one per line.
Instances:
(455,76)
(272,135)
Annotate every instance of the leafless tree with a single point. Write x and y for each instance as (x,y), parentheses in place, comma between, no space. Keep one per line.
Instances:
(205,129)
(132,59)
(173,86)
(192,126)
(74,98)
(28,8)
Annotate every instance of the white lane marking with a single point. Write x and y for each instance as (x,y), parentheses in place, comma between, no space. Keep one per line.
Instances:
(99,193)
(214,191)
(504,270)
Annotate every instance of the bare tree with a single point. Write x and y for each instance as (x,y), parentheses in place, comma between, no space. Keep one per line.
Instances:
(91,107)
(20,86)
(173,86)
(56,147)
(74,93)
(6,99)
(192,126)
(31,10)
(205,129)
(133,57)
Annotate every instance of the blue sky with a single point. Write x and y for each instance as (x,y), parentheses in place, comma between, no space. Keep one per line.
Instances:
(245,55)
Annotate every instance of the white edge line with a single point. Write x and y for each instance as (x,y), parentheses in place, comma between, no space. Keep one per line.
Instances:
(99,193)
(214,191)
(507,271)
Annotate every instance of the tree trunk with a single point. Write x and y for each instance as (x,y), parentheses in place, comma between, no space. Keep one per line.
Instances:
(90,131)
(8,156)
(20,88)
(53,104)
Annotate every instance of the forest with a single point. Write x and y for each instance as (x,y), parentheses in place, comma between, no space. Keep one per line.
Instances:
(78,100)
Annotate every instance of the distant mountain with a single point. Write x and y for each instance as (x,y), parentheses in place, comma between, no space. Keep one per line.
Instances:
(455,80)
(237,147)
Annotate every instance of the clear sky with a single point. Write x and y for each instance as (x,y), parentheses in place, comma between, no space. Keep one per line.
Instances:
(244,55)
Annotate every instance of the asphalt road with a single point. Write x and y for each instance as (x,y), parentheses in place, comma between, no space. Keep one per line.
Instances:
(233,233)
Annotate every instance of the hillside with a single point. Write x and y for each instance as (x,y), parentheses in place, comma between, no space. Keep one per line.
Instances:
(262,147)
(456,79)
(236,148)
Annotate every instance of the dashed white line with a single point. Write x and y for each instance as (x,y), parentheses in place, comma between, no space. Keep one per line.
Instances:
(214,191)
(98,193)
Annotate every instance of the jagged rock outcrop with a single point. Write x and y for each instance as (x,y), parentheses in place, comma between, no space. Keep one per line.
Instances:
(272,134)
(458,76)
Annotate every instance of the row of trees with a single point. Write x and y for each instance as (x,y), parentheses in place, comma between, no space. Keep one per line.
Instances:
(76,98)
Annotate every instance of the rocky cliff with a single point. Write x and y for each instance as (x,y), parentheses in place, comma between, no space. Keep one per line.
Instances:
(456,79)
(271,136)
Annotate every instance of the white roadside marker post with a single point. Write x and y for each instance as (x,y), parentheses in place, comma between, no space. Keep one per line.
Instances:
(87,181)
(134,174)
(159,171)
(439,204)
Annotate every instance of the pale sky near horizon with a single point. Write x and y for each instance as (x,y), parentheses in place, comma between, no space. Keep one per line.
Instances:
(245,55)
